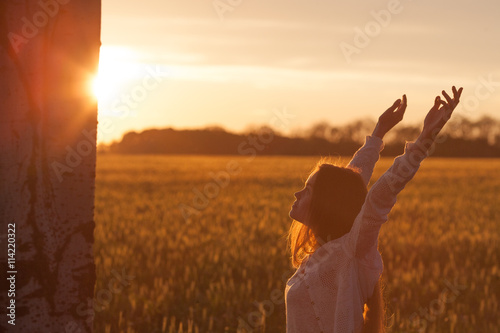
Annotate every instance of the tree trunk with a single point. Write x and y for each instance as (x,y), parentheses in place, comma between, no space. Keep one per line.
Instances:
(49,52)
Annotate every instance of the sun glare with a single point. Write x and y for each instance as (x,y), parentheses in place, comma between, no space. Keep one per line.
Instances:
(97,87)
(117,66)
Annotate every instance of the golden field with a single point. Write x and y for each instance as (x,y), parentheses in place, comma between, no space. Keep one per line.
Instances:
(201,241)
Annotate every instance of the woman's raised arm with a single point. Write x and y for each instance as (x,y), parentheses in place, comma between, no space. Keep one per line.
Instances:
(367,156)
(382,195)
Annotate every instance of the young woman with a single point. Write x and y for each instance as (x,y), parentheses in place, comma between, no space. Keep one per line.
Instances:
(333,238)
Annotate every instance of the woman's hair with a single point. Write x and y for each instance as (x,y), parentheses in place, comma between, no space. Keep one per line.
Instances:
(337,197)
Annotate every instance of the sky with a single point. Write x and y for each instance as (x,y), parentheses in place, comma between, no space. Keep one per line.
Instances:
(236,63)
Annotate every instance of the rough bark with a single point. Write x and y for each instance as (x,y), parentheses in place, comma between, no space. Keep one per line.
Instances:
(49,51)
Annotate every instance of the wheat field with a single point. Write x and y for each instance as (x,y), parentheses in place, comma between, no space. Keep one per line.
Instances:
(199,243)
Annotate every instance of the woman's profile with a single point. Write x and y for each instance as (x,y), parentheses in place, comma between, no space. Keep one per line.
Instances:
(333,238)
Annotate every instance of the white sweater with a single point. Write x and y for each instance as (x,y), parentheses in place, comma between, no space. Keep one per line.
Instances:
(328,291)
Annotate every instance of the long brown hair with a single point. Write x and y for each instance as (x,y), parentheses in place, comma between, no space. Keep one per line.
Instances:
(337,197)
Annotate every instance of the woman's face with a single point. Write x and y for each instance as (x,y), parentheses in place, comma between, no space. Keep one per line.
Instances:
(300,208)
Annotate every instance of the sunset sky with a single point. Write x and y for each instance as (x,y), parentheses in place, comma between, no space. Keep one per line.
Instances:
(189,64)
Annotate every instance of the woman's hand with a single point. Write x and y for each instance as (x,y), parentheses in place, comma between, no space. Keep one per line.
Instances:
(440,113)
(390,118)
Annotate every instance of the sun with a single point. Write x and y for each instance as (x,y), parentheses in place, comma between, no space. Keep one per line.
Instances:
(99,88)
(97,85)
(117,66)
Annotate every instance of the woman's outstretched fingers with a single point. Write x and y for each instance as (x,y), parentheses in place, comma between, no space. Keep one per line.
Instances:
(457,94)
(393,107)
(453,102)
(448,98)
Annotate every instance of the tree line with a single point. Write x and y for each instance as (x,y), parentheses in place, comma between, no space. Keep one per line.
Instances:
(461,137)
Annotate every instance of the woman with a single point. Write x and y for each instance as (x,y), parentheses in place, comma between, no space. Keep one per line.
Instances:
(333,238)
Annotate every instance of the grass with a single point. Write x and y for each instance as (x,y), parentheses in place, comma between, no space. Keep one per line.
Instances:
(220,264)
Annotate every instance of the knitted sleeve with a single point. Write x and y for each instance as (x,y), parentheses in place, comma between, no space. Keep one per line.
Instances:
(367,156)
(382,197)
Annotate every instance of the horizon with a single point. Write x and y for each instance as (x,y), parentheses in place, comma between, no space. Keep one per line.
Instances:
(304,131)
